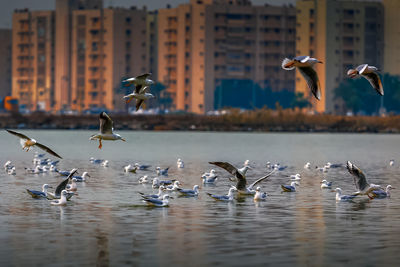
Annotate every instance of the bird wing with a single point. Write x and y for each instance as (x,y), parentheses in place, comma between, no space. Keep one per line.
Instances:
(48,150)
(138,88)
(260,179)
(241,183)
(375,81)
(302,59)
(20,135)
(106,124)
(63,184)
(139,103)
(358,176)
(153,200)
(312,80)
(362,68)
(143,76)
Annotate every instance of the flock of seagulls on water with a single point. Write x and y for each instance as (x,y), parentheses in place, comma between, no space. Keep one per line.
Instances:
(68,187)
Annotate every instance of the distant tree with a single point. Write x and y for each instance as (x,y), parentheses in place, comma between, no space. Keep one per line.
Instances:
(162,97)
(249,95)
(359,96)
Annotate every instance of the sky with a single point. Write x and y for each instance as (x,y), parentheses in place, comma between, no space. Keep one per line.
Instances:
(7,7)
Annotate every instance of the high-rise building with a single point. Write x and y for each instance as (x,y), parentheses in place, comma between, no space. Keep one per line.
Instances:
(75,57)
(5,62)
(205,42)
(392,37)
(341,34)
(33,59)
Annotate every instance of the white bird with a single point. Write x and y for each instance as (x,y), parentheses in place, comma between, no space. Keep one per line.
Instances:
(305,66)
(189,192)
(209,177)
(360,181)
(246,163)
(340,197)
(141,166)
(142,85)
(8,165)
(39,194)
(157,182)
(307,166)
(106,130)
(130,168)
(173,187)
(157,202)
(370,73)
(72,186)
(228,197)
(81,178)
(326,185)
(11,171)
(62,186)
(163,172)
(289,188)
(382,193)
(36,170)
(260,195)
(27,143)
(158,195)
(180,164)
(143,180)
(240,175)
(391,162)
(62,201)
(295,177)
(104,163)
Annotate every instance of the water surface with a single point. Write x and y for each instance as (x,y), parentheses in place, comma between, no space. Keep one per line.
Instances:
(107,224)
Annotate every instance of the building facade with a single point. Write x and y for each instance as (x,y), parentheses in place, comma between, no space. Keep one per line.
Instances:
(205,42)
(341,34)
(392,37)
(5,63)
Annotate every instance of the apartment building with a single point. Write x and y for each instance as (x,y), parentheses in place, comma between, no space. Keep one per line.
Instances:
(5,63)
(342,34)
(392,37)
(204,42)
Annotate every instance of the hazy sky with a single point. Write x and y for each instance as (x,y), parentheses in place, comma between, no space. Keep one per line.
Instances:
(7,6)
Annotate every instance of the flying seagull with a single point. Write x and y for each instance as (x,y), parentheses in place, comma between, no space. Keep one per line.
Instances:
(106,130)
(142,84)
(370,73)
(362,186)
(241,177)
(305,65)
(27,143)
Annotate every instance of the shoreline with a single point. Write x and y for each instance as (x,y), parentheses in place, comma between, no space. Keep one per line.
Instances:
(255,121)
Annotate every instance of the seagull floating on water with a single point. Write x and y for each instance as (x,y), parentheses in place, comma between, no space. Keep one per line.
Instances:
(12,171)
(106,130)
(157,182)
(143,180)
(180,164)
(96,161)
(228,197)
(81,178)
(142,167)
(240,175)
(63,199)
(370,73)
(307,166)
(295,177)
(130,168)
(27,143)
(391,162)
(39,194)
(260,195)
(209,177)
(189,192)
(360,181)
(173,187)
(289,188)
(326,185)
(382,193)
(340,197)
(104,163)
(163,172)
(158,195)
(142,85)
(62,186)
(157,202)
(305,65)
(8,165)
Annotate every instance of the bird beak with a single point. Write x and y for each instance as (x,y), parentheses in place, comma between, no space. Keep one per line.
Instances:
(49,186)
(320,62)
(123,139)
(289,64)
(88,175)
(333,190)
(171,197)
(352,73)
(393,188)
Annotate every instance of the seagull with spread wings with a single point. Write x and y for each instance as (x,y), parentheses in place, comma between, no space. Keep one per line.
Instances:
(106,130)
(61,187)
(142,85)
(241,178)
(360,181)
(305,65)
(370,73)
(27,143)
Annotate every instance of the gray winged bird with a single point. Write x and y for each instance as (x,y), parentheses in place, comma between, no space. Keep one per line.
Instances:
(305,65)
(360,181)
(241,177)
(106,130)
(142,85)
(370,73)
(62,186)
(27,143)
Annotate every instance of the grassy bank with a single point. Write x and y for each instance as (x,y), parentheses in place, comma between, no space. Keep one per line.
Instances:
(260,120)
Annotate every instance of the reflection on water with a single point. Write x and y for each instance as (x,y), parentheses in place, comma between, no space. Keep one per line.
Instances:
(107,224)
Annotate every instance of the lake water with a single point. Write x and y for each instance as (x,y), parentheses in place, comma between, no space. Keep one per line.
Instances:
(107,224)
